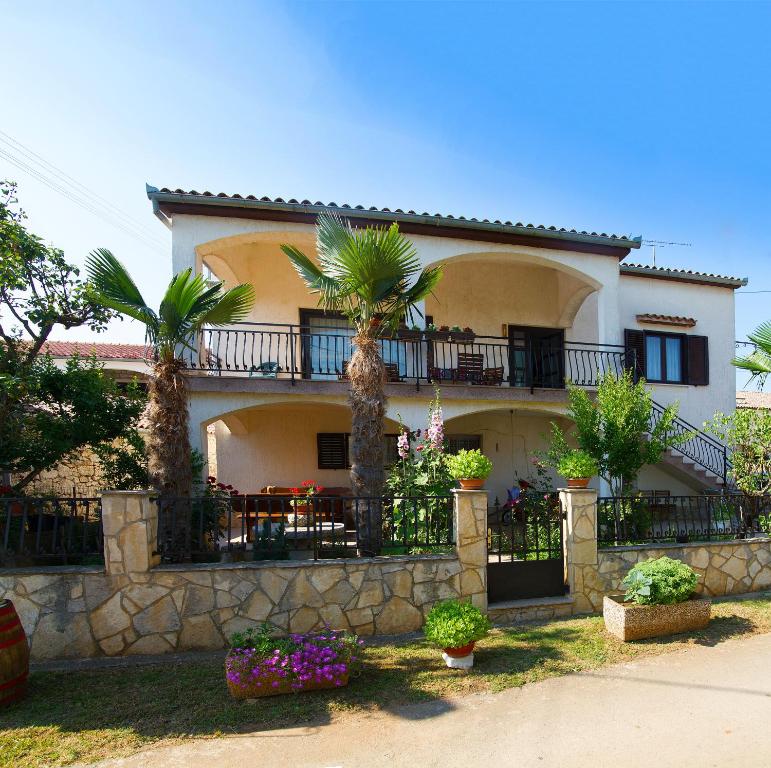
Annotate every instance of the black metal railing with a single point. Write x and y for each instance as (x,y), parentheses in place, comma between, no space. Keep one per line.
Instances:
(281,527)
(624,520)
(50,531)
(295,352)
(529,528)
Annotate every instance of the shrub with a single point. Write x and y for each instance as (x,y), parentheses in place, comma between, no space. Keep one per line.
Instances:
(662,581)
(453,624)
(577,463)
(468,465)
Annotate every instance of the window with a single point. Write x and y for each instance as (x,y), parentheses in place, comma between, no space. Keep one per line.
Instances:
(664,357)
(334,450)
(457,443)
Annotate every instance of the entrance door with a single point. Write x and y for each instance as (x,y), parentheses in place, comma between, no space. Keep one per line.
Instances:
(536,357)
(524,549)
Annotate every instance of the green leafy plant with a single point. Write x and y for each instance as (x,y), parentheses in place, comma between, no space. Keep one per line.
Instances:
(662,581)
(577,463)
(615,428)
(453,624)
(469,465)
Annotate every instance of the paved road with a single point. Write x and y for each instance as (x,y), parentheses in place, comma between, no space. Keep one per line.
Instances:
(704,707)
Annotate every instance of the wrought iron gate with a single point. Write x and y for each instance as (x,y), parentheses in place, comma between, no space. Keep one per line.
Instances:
(525,548)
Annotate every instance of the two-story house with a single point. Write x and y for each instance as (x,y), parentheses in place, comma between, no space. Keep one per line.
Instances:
(537,307)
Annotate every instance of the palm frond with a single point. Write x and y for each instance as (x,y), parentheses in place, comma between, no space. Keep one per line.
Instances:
(232,306)
(314,278)
(761,337)
(116,289)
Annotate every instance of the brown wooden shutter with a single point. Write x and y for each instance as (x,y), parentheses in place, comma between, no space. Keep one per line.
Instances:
(634,343)
(332,450)
(698,360)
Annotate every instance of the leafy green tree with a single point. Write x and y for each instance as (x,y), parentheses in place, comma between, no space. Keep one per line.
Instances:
(373,277)
(47,413)
(747,434)
(758,362)
(614,428)
(124,462)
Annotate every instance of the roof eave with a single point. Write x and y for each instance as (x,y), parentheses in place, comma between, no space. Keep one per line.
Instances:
(158,198)
(673,274)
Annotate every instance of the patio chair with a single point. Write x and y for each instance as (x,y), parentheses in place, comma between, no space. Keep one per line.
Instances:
(269,370)
(470,367)
(492,376)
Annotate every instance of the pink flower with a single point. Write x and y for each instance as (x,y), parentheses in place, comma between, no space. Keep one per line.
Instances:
(403,445)
(419,447)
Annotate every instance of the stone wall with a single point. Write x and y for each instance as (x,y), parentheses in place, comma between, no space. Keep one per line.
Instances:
(82,472)
(134,607)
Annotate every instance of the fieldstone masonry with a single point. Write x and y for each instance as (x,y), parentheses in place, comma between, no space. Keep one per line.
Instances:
(134,606)
(580,508)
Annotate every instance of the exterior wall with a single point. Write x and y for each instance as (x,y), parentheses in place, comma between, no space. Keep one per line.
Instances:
(83,472)
(660,477)
(133,607)
(713,310)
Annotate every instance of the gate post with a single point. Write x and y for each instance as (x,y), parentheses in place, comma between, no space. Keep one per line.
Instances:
(130,527)
(581,560)
(470,524)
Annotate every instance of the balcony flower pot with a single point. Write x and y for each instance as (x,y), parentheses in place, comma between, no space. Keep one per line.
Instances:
(578,482)
(410,334)
(466,336)
(438,335)
(631,621)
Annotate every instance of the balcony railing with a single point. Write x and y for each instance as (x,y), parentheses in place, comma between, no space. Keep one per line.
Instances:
(296,352)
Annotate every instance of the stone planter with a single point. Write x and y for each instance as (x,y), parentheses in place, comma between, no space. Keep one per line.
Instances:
(630,621)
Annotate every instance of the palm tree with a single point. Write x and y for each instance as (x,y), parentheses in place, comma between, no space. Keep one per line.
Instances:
(758,362)
(189,304)
(373,277)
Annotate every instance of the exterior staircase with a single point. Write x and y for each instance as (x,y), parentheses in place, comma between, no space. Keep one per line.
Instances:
(699,456)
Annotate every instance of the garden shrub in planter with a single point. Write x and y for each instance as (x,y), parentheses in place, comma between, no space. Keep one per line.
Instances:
(261,665)
(455,627)
(471,468)
(578,467)
(658,601)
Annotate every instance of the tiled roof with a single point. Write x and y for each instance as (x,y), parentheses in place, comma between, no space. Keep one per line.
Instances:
(751,399)
(685,275)
(318,206)
(103,351)
(685,322)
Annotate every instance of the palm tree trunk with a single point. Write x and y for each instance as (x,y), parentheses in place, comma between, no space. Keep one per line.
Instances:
(368,403)
(169,454)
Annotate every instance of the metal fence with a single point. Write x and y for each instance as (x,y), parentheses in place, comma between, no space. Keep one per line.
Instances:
(679,519)
(529,528)
(284,527)
(50,531)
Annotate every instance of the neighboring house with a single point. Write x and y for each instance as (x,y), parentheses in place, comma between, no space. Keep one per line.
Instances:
(546,305)
(760,401)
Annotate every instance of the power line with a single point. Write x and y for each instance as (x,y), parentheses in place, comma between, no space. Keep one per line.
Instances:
(83,199)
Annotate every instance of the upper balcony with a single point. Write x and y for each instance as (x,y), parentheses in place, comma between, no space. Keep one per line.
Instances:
(527,359)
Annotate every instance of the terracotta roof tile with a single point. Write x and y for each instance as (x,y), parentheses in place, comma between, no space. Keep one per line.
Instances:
(685,274)
(685,322)
(102,350)
(751,399)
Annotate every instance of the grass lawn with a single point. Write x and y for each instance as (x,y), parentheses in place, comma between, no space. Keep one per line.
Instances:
(87,716)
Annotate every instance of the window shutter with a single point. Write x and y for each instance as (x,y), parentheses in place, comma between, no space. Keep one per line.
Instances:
(332,450)
(698,360)
(634,343)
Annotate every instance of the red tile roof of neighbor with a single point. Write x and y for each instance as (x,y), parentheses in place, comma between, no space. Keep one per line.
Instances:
(749,399)
(102,350)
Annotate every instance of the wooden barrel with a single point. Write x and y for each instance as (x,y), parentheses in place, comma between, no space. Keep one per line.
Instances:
(14,655)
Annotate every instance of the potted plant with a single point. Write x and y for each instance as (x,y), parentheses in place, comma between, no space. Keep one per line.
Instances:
(455,627)
(462,335)
(470,468)
(658,601)
(413,333)
(269,542)
(259,664)
(442,333)
(302,504)
(578,467)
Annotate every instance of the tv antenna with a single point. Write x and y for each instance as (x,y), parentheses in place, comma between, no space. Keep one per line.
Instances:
(662,244)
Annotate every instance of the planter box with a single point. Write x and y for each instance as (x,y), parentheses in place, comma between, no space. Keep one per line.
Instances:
(462,337)
(408,334)
(266,687)
(630,621)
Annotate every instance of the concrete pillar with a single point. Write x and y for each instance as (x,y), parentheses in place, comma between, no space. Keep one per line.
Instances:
(580,507)
(470,525)
(130,526)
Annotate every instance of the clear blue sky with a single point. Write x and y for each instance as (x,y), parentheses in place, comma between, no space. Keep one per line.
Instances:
(649,119)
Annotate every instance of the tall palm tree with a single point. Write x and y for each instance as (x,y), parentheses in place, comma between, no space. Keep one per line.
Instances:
(188,304)
(758,362)
(373,277)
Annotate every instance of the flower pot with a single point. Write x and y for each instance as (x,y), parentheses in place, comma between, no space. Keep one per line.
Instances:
(462,337)
(471,483)
(409,334)
(265,687)
(630,621)
(459,653)
(438,335)
(578,482)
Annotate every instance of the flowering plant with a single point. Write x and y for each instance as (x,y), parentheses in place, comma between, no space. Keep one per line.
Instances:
(259,664)
(304,493)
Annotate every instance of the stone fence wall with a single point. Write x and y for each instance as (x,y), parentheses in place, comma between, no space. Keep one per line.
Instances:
(135,606)
(724,568)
